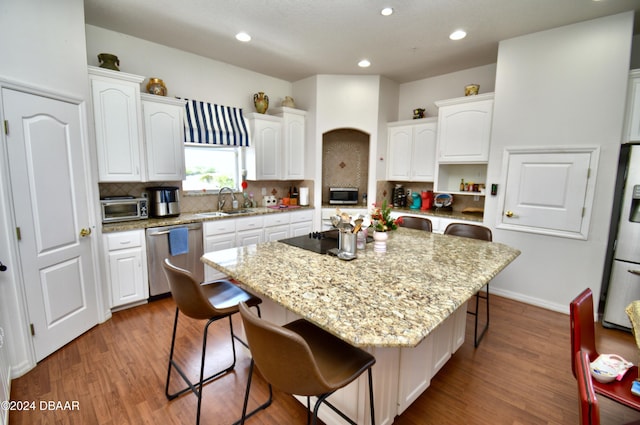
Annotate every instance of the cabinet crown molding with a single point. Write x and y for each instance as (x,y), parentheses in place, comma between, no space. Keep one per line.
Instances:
(94,70)
(464,99)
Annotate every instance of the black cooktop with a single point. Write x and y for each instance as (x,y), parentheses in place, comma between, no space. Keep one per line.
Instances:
(319,242)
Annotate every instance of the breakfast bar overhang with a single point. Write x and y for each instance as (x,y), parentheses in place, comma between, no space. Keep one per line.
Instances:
(406,306)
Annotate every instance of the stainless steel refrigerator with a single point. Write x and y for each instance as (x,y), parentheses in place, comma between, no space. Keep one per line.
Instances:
(623,256)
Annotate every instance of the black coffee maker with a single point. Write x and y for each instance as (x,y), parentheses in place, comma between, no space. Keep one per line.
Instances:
(399,196)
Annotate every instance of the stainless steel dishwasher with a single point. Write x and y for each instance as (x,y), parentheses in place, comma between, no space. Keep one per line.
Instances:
(158,250)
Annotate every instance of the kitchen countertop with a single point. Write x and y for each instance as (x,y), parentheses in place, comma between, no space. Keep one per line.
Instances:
(192,217)
(393,299)
(435,212)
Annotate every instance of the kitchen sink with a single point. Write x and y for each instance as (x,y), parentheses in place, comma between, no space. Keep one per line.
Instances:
(222,213)
(212,214)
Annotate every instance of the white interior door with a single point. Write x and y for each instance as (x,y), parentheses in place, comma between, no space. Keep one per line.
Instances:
(549,192)
(51,211)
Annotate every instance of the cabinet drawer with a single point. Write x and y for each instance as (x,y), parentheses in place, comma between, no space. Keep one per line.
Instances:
(218,227)
(276,219)
(122,240)
(248,223)
(300,216)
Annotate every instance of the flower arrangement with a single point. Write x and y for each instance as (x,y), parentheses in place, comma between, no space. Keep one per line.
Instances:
(381,218)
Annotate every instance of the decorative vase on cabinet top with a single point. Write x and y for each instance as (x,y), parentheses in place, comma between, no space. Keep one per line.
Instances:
(261,101)
(156,86)
(109,61)
(288,102)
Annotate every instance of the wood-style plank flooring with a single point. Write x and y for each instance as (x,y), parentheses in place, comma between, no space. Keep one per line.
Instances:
(520,374)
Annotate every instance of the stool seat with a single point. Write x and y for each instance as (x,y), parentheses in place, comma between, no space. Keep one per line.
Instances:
(210,301)
(302,359)
(482,233)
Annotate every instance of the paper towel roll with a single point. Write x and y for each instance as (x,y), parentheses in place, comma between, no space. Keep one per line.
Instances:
(304,196)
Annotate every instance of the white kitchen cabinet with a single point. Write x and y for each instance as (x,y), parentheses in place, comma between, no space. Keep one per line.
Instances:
(164,137)
(293,142)
(218,235)
(411,150)
(276,227)
(117,116)
(415,372)
(264,157)
(127,270)
(249,230)
(632,128)
(277,145)
(464,129)
(301,223)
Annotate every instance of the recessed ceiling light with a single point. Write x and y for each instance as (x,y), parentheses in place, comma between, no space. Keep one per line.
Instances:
(386,11)
(364,63)
(243,36)
(458,35)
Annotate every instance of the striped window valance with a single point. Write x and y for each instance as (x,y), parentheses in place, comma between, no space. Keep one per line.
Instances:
(211,124)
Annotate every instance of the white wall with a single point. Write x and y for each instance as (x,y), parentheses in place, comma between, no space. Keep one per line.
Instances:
(185,74)
(423,93)
(43,47)
(565,86)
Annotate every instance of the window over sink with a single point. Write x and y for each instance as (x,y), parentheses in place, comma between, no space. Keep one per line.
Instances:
(210,167)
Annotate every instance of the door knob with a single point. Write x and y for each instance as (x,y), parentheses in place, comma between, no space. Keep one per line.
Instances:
(509,213)
(85,232)
(3,268)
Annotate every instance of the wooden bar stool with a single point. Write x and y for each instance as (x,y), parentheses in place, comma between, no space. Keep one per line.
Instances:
(474,232)
(299,358)
(209,301)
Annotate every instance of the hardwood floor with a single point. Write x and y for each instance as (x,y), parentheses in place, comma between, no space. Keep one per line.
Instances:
(520,374)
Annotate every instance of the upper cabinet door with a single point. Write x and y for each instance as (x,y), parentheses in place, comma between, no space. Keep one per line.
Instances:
(412,151)
(164,139)
(549,191)
(464,129)
(264,156)
(116,109)
(293,142)
(424,152)
(399,158)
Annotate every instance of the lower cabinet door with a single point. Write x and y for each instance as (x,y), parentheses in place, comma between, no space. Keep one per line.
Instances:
(128,277)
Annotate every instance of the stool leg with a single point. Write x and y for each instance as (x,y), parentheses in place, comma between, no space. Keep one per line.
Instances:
(266,404)
(476,339)
(173,344)
(373,413)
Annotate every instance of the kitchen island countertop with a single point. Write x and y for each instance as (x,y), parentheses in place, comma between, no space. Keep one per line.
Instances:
(392,299)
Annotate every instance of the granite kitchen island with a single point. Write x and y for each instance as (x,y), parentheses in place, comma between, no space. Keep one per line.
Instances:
(407,306)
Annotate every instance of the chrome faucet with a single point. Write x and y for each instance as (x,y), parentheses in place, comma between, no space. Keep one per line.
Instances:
(221,200)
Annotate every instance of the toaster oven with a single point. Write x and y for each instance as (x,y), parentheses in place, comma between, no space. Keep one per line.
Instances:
(124,208)
(343,195)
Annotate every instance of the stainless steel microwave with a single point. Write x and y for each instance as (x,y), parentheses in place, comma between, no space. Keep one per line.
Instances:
(343,195)
(124,208)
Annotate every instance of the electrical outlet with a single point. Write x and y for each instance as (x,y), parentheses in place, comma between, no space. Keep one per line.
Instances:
(264,191)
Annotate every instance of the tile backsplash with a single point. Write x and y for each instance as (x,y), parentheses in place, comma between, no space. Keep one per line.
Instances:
(345,161)
(206,201)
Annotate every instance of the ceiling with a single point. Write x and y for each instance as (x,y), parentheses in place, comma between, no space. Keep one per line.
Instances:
(294,39)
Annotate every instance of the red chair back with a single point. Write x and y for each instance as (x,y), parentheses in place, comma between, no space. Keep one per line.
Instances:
(582,327)
(589,408)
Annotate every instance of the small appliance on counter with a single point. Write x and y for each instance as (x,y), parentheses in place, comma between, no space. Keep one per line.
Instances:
(269,201)
(417,201)
(427,200)
(123,208)
(164,201)
(399,196)
(343,195)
